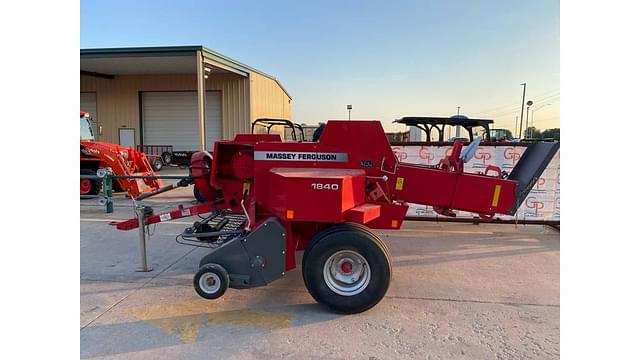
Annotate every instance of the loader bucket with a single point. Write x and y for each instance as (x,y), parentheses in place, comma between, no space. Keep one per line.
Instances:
(529,168)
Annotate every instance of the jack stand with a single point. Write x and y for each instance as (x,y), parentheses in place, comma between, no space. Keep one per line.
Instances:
(143,240)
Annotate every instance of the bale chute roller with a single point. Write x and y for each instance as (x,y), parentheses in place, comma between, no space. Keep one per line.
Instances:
(323,197)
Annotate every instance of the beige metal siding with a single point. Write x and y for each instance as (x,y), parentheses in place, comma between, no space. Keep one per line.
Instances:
(118,104)
(268,100)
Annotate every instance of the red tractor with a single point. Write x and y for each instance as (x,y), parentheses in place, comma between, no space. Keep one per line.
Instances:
(267,199)
(122,161)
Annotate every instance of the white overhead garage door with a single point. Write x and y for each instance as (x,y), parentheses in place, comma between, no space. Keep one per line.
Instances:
(171,118)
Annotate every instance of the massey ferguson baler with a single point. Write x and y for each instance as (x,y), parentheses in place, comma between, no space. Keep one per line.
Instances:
(268,198)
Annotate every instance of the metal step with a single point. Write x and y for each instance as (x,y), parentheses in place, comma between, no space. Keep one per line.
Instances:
(231,225)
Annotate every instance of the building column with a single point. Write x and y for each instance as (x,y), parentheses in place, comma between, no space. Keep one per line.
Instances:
(201,99)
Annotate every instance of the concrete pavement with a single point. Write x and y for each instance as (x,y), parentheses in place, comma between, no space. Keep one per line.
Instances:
(458,291)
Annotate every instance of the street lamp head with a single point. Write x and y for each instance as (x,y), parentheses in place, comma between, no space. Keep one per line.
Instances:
(529,103)
(349,107)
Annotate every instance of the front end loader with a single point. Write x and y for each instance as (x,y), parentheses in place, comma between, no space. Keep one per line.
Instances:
(123,161)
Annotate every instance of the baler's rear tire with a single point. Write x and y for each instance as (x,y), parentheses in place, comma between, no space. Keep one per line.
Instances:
(89,186)
(198,195)
(347,268)
(211,281)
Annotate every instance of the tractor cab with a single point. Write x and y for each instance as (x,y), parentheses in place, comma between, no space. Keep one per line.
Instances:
(500,135)
(86,127)
(292,131)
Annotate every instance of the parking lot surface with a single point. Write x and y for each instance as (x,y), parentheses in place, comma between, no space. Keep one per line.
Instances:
(458,291)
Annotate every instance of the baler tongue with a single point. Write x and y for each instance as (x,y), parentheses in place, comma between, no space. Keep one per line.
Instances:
(529,168)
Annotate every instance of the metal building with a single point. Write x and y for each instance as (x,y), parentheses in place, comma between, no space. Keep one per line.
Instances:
(185,96)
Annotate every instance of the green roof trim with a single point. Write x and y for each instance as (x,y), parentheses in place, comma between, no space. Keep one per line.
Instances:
(176,50)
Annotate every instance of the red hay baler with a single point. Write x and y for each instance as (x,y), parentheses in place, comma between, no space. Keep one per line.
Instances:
(268,198)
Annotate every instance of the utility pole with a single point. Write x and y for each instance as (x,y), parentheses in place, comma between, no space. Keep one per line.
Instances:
(524,91)
(526,128)
(458,126)
(515,131)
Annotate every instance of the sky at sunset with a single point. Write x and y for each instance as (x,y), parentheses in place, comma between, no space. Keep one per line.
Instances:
(387,58)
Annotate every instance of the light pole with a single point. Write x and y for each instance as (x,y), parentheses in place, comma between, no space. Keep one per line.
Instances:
(458,126)
(349,107)
(534,110)
(526,128)
(524,91)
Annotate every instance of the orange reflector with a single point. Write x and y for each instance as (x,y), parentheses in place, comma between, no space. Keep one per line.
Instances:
(394,223)
(289,214)
(496,195)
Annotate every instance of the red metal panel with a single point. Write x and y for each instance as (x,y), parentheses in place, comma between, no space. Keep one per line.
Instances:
(310,194)
(391,216)
(484,194)
(364,213)
(423,185)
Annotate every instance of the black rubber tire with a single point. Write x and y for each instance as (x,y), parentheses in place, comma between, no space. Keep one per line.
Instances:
(347,237)
(157,164)
(342,227)
(96,185)
(166,158)
(217,270)
(198,195)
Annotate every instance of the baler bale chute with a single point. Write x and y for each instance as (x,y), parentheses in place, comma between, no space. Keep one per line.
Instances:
(267,198)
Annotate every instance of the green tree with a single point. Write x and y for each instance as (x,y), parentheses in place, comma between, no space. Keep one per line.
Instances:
(551,134)
(532,133)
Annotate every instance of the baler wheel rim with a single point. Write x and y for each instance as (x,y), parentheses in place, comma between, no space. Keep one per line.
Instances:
(211,281)
(346,272)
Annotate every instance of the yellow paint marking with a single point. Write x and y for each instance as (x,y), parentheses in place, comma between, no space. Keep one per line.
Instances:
(180,308)
(186,328)
(289,214)
(399,183)
(496,195)
(261,319)
(184,319)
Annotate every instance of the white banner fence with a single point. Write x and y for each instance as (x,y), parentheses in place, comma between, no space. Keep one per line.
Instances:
(542,203)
